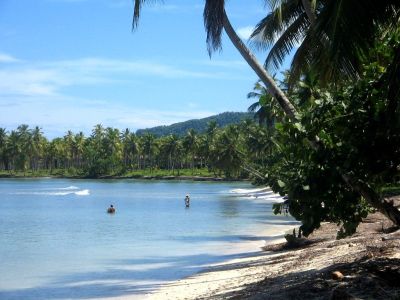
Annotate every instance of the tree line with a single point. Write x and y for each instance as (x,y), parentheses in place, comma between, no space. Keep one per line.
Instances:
(109,151)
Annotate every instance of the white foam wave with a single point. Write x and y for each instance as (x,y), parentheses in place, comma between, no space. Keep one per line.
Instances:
(68,188)
(82,193)
(249,191)
(59,193)
(264,194)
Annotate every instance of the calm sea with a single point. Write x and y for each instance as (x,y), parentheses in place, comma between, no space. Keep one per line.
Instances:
(58,242)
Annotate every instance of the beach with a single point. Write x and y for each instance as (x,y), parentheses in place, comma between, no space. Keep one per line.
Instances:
(369,262)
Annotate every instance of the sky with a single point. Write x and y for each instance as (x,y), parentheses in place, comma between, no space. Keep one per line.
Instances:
(72,64)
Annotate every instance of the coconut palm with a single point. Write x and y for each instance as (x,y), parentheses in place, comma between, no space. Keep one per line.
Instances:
(3,144)
(328,25)
(170,146)
(79,144)
(334,36)
(191,144)
(37,144)
(149,149)
(265,110)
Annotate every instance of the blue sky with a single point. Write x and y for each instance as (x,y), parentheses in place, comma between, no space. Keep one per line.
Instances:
(71,64)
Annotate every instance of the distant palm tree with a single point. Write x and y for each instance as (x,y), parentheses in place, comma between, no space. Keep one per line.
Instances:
(266,110)
(37,144)
(149,149)
(3,145)
(79,146)
(190,143)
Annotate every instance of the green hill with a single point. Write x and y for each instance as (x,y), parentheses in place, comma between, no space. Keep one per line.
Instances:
(200,125)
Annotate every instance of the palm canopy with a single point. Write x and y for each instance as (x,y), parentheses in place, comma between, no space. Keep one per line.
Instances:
(335,43)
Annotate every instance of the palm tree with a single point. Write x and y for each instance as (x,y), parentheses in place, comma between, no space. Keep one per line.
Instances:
(265,109)
(149,149)
(227,153)
(112,147)
(37,147)
(190,143)
(79,144)
(3,145)
(130,147)
(334,40)
(215,20)
(172,146)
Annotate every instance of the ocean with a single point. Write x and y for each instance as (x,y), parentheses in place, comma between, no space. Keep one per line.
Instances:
(58,242)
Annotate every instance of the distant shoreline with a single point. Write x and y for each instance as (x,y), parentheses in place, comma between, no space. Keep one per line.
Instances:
(145,177)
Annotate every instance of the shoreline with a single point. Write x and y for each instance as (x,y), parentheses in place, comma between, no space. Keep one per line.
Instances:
(236,252)
(144,177)
(368,263)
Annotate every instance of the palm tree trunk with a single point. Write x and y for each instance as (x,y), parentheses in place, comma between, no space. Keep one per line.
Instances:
(269,82)
(363,189)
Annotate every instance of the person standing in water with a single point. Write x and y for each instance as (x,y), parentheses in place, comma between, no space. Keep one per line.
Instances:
(111,209)
(187,201)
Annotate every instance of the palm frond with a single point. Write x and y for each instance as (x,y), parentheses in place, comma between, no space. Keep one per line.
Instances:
(137,7)
(253,95)
(214,23)
(291,37)
(349,28)
(270,27)
(254,107)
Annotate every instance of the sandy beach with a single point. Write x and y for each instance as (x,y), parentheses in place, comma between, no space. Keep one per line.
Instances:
(368,262)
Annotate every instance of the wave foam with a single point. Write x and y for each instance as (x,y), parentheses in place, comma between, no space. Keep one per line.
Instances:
(249,191)
(68,188)
(264,194)
(68,191)
(82,193)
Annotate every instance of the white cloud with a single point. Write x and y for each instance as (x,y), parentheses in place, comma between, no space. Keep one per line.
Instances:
(5,58)
(57,114)
(47,78)
(245,32)
(72,94)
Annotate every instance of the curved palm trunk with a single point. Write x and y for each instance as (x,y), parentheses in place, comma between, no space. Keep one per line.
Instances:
(360,187)
(269,82)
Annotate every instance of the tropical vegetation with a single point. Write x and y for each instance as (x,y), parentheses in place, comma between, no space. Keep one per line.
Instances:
(111,152)
(338,142)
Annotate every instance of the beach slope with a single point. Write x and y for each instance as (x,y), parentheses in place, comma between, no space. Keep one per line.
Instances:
(364,266)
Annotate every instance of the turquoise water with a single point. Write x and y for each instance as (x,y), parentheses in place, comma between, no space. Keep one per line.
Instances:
(58,242)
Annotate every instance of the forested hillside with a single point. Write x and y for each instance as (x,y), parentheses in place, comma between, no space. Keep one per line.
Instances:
(199,125)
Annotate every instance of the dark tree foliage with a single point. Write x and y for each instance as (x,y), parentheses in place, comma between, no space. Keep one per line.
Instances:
(358,125)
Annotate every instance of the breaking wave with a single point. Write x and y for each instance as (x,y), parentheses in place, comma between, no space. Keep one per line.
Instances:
(265,194)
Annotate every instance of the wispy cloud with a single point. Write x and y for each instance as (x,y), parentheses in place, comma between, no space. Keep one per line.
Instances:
(245,32)
(57,114)
(48,77)
(39,93)
(6,58)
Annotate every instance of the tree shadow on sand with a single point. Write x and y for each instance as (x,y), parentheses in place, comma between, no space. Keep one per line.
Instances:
(365,278)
